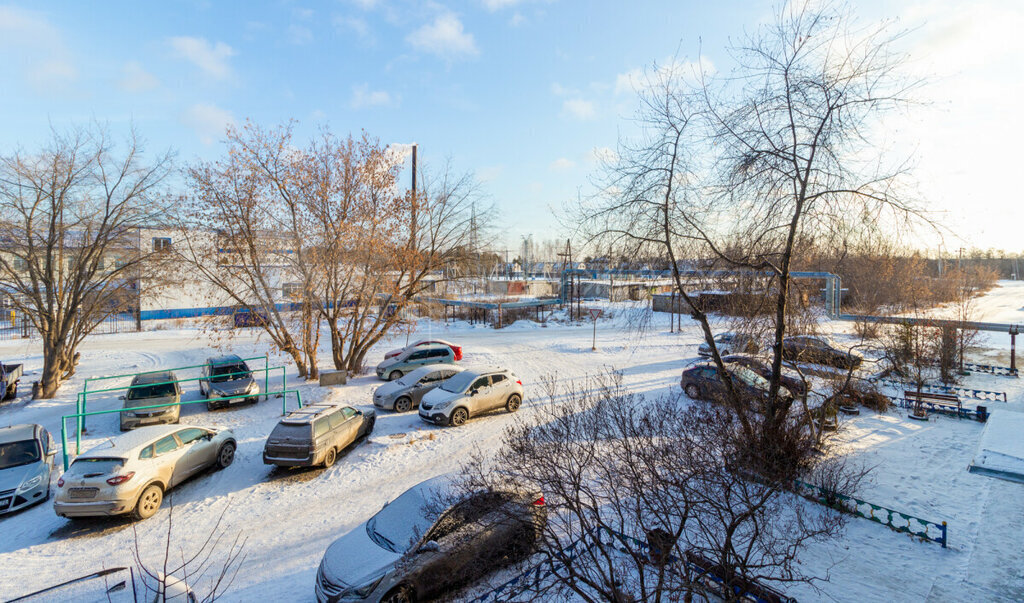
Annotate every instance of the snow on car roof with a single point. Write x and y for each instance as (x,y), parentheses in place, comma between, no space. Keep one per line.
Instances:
(309,412)
(17,433)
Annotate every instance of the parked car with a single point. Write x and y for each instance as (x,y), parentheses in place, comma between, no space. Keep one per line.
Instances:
(226,376)
(420,546)
(315,434)
(729,343)
(470,393)
(115,585)
(151,389)
(817,350)
(131,473)
(404,394)
(703,382)
(790,381)
(412,359)
(26,458)
(417,344)
(10,376)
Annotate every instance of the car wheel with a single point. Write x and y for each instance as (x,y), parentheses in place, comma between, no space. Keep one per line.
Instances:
(330,457)
(149,502)
(403,404)
(693,391)
(369,426)
(459,417)
(513,403)
(401,594)
(395,375)
(226,455)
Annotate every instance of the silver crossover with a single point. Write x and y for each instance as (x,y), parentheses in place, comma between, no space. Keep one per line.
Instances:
(472,392)
(130,473)
(404,394)
(26,457)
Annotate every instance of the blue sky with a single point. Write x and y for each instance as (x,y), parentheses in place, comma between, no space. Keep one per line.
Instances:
(524,93)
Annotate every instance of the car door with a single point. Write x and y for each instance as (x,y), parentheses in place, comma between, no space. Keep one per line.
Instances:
(200,451)
(501,387)
(424,385)
(417,358)
(460,541)
(478,395)
(712,383)
(344,426)
(168,460)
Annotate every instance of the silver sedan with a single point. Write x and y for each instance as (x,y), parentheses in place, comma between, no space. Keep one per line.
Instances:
(402,395)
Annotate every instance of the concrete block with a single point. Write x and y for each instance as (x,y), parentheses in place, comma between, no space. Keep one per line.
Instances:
(333,378)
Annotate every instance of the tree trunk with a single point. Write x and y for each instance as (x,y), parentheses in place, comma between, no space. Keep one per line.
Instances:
(53,370)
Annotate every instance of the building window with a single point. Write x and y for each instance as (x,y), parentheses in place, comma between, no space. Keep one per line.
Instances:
(20,265)
(291,290)
(161,243)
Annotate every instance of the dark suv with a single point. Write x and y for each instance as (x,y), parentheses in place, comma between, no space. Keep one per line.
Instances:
(703,382)
(226,377)
(791,382)
(804,348)
(315,434)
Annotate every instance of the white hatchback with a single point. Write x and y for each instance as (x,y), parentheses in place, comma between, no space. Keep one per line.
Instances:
(469,393)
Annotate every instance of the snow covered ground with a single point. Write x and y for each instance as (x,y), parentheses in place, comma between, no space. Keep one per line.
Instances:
(289,518)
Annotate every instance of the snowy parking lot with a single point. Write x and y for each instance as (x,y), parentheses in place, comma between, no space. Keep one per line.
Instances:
(288,518)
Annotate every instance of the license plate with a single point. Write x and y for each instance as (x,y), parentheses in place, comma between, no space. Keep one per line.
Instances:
(83,492)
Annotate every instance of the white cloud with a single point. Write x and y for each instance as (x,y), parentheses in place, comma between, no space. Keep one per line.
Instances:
(366,4)
(354,24)
(299,35)
(208,121)
(562,164)
(637,79)
(601,155)
(211,58)
(579,108)
(444,37)
(517,20)
(29,40)
(137,79)
(495,5)
(363,97)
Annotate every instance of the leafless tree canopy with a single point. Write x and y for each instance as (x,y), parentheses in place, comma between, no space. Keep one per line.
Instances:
(332,224)
(72,220)
(733,168)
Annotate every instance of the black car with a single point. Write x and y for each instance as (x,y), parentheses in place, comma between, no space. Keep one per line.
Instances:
(703,382)
(793,383)
(816,350)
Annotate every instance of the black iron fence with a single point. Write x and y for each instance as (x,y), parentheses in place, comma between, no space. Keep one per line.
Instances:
(22,327)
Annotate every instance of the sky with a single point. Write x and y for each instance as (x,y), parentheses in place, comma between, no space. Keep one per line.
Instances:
(526,94)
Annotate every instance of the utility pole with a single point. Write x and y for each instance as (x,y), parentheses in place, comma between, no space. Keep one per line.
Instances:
(415,201)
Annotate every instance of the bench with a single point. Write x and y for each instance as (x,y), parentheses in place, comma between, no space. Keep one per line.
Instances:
(932,401)
(711,576)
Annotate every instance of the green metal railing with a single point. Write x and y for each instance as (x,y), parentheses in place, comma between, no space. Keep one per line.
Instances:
(915,526)
(82,400)
(81,415)
(265,358)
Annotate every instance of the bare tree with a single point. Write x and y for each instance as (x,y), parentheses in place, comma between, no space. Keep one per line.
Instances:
(211,567)
(72,224)
(634,486)
(737,168)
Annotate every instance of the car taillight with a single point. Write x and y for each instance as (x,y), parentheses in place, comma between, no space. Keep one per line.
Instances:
(519,382)
(539,502)
(60,483)
(120,479)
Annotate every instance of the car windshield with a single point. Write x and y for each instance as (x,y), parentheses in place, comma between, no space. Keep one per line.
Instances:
(228,372)
(400,524)
(459,382)
(140,392)
(750,377)
(724,338)
(13,454)
(415,376)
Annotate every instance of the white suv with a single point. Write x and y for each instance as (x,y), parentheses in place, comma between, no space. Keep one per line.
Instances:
(470,393)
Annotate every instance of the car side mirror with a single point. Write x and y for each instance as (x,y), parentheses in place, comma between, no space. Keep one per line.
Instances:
(120,397)
(418,385)
(474,392)
(430,546)
(52,452)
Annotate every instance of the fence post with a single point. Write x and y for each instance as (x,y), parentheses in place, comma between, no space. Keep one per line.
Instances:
(64,441)
(266,375)
(943,534)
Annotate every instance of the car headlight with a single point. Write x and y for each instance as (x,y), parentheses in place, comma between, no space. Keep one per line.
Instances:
(364,590)
(254,388)
(30,483)
(444,405)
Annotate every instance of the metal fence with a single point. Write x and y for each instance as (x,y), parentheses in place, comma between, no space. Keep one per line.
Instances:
(895,520)
(22,327)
